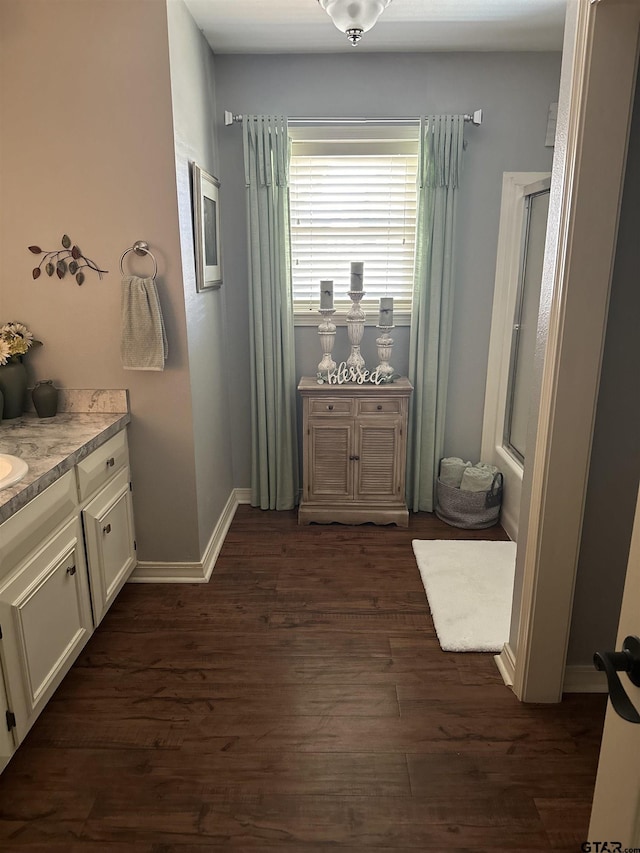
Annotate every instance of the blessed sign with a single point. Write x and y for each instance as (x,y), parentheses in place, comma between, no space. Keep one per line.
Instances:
(343,375)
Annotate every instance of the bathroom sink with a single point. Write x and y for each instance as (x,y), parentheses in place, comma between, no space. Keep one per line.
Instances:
(12,470)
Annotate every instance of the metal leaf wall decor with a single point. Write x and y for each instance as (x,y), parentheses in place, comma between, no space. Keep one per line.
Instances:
(69,259)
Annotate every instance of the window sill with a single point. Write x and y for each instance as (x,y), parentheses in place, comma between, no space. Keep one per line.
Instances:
(314,318)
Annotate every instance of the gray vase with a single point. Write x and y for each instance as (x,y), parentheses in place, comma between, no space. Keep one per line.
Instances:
(45,398)
(13,384)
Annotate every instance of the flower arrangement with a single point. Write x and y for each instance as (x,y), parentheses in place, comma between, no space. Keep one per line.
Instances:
(15,341)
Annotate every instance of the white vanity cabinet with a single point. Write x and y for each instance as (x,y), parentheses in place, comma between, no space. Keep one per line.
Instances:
(64,556)
(45,614)
(108,529)
(107,517)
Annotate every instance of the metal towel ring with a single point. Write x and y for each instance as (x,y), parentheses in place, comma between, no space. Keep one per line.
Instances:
(140,247)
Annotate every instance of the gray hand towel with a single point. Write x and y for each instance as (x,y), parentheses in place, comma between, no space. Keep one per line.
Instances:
(143,344)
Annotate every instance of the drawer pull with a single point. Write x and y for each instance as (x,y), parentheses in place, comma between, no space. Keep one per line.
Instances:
(111,462)
(106,529)
(354,458)
(71,570)
(330,407)
(379,408)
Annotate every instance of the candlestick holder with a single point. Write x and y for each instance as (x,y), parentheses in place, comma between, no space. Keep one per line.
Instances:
(355,327)
(385,346)
(327,335)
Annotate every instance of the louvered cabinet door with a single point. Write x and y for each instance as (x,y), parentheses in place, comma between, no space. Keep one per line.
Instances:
(379,470)
(329,474)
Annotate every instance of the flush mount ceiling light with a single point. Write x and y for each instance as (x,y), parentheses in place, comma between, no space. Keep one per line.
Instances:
(354,17)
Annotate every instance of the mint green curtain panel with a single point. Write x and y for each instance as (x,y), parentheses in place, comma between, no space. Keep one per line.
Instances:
(441,145)
(274,446)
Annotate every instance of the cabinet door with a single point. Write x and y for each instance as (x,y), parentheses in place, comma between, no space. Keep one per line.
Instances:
(108,526)
(328,466)
(379,467)
(7,744)
(45,615)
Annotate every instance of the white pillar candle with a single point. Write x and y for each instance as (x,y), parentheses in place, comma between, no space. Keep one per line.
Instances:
(357,268)
(386,311)
(326,294)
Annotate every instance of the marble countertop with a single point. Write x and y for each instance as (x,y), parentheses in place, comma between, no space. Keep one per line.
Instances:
(50,447)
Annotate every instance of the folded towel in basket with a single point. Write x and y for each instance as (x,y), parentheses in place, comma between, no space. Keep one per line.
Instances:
(486,467)
(451,470)
(477,479)
(143,344)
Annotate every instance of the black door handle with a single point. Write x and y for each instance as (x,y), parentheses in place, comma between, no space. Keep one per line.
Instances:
(628,660)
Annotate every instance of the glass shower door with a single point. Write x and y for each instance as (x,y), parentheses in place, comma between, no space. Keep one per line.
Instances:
(525,323)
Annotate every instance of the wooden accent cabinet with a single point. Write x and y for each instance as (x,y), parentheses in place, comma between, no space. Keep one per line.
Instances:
(354,452)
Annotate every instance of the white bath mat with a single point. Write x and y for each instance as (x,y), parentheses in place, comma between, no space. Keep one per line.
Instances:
(469,586)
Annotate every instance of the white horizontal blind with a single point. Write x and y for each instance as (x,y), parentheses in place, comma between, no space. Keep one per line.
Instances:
(359,207)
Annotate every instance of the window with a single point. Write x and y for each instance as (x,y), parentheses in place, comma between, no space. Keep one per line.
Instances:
(353,199)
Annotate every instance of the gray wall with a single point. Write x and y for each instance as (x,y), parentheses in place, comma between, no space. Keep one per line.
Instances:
(193,96)
(615,456)
(86,148)
(514,90)
(113,171)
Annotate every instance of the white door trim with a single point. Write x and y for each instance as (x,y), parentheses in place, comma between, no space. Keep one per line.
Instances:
(596,97)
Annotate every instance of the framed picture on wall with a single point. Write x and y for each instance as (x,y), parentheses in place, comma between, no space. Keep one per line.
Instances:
(206,229)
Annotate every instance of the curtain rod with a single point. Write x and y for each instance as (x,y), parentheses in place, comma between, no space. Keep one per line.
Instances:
(475,118)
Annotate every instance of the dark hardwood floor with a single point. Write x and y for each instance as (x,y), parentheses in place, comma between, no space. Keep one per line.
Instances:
(299,702)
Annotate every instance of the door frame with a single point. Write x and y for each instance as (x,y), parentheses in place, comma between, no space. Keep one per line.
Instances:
(594,112)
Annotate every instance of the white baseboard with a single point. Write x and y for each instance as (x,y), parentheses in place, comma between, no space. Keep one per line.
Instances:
(506,663)
(583,679)
(577,679)
(509,523)
(196,572)
(244,496)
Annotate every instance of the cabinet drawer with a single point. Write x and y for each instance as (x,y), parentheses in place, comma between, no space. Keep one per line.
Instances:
(376,406)
(27,528)
(94,471)
(331,406)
